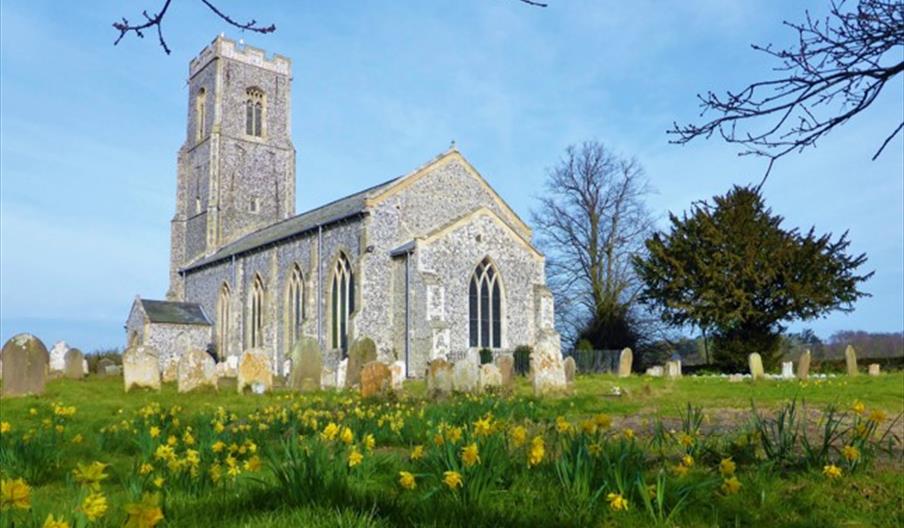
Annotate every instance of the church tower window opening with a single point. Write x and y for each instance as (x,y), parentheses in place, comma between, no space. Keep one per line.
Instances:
(200,114)
(485,307)
(256,326)
(254,110)
(342,301)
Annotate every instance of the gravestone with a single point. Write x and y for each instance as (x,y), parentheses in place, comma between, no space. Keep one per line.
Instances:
(113,370)
(58,356)
(803,365)
(341,371)
(25,365)
(465,375)
(328,378)
(439,378)
(362,351)
(196,369)
(398,372)
(489,377)
(655,372)
(569,366)
(850,360)
(254,372)
(547,370)
(874,369)
(375,379)
(170,371)
(74,364)
(506,365)
(307,365)
(735,378)
(140,368)
(673,369)
(787,370)
(625,362)
(755,362)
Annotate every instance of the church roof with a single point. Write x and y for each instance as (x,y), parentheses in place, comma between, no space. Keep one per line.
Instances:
(335,211)
(174,312)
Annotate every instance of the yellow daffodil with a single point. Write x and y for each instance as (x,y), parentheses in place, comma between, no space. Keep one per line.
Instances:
(417,453)
(518,435)
(452,479)
(686,440)
(406,480)
(5,427)
(51,522)
(831,471)
(354,458)
(878,416)
(850,453)
(563,426)
(602,421)
(154,431)
(454,434)
(330,431)
(727,467)
(483,426)
(91,474)
(144,514)
(347,436)
(253,464)
(77,439)
(172,440)
(537,451)
(687,460)
(438,439)
(217,446)
(617,502)
(159,481)
(14,494)
(369,442)
(858,407)
(94,506)
(470,455)
(628,433)
(731,486)
(145,469)
(188,439)
(680,470)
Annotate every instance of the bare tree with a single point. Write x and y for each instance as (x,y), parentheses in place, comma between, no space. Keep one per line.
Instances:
(591,222)
(837,69)
(156,22)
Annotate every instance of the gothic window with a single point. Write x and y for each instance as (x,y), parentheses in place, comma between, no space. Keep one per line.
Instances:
(256,324)
(223,321)
(485,307)
(295,313)
(254,110)
(342,302)
(200,113)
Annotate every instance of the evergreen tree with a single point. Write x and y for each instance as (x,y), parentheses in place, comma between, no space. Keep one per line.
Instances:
(730,268)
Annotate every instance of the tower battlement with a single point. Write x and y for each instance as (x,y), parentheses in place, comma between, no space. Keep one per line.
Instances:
(230,49)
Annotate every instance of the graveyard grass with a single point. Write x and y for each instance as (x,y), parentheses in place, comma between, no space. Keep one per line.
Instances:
(320,489)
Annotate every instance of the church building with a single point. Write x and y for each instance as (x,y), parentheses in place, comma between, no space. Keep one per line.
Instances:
(430,264)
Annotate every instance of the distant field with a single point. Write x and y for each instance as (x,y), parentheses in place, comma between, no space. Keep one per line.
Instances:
(596,448)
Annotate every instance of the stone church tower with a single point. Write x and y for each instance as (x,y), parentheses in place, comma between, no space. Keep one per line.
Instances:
(236,169)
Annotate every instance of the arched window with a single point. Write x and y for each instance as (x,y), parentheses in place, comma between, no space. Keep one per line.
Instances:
(256,326)
(485,307)
(200,113)
(254,112)
(343,302)
(223,321)
(295,313)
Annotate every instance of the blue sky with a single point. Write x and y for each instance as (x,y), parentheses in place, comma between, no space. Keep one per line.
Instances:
(89,132)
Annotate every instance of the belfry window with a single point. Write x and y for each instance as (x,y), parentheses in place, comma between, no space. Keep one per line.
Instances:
(256,324)
(295,313)
(342,302)
(223,321)
(254,112)
(485,307)
(200,113)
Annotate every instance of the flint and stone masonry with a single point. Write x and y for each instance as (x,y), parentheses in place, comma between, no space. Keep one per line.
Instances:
(430,264)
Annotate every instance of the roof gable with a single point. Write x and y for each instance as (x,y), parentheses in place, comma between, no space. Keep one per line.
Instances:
(170,312)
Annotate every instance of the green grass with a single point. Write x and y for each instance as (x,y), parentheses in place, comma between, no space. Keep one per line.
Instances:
(787,494)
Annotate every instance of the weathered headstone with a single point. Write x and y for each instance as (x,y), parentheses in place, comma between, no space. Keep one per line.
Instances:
(196,369)
(506,365)
(465,375)
(439,378)
(625,362)
(489,377)
(307,365)
(113,370)
(398,372)
(170,370)
(101,366)
(254,372)
(328,378)
(375,379)
(850,360)
(569,366)
(25,365)
(673,369)
(547,371)
(140,368)
(803,365)
(735,378)
(362,351)
(874,369)
(755,362)
(787,370)
(58,356)
(74,364)
(341,373)
(656,371)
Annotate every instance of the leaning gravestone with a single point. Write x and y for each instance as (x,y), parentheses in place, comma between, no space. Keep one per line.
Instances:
(398,371)
(439,378)
(196,369)
(140,368)
(625,362)
(58,356)
(547,371)
(465,375)
(850,360)
(755,362)
(375,379)
(307,365)
(655,371)
(569,366)
(25,365)
(874,369)
(254,372)
(506,365)
(74,364)
(787,370)
(489,377)
(673,369)
(803,366)
(362,351)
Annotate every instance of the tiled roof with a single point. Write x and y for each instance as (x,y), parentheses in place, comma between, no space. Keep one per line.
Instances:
(174,312)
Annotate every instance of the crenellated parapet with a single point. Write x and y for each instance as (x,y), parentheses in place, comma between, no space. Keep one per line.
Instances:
(223,47)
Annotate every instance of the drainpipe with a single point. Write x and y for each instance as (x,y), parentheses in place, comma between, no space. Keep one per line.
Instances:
(407,311)
(320,285)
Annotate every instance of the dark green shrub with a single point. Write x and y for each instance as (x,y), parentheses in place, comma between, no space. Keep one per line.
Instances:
(486,356)
(522,360)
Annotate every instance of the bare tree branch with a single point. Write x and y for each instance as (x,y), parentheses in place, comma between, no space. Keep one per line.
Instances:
(836,70)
